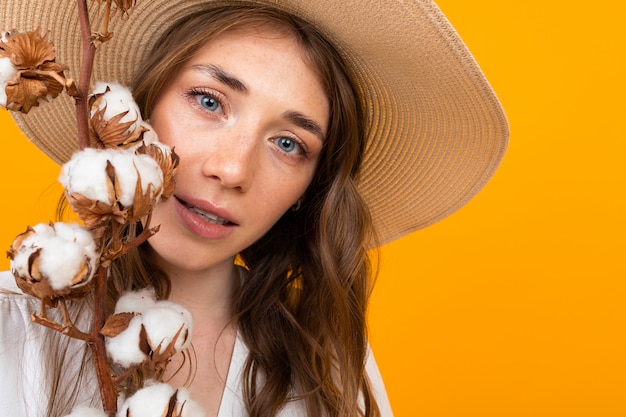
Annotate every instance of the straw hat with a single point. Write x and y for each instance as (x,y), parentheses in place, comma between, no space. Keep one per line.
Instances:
(436,130)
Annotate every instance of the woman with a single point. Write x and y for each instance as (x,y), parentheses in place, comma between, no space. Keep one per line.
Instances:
(271,124)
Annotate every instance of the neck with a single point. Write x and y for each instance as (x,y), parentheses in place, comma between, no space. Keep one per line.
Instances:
(206,294)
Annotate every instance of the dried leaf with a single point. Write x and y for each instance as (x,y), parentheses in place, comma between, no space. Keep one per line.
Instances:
(38,77)
(171,407)
(84,274)
(110,133)
(34,275)
(17,242)
(25,94)
(28,50)
(95,213)
(142,204)
(38,289)
(44,291)
(168,162)
(116,324)
(144,345)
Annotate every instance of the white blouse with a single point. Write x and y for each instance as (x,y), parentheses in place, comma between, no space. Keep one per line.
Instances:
(25,355)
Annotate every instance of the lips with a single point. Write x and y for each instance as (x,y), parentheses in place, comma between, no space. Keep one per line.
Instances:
(208,216)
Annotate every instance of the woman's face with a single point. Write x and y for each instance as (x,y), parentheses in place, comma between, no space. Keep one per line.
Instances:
(248,117)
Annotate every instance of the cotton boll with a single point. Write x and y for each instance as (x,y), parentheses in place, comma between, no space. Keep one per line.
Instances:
(65,255)
(73,232)
(118,99)
(124,348)
(7,73)
(127,165)
(136,301)
(151,401)
(86,174)
(86,412)
(154,400)
(163,322)
(44,231)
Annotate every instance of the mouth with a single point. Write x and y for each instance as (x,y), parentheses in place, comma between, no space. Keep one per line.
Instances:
(205,215)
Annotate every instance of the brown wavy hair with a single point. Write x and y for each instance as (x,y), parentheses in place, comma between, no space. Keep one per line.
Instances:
(302,308)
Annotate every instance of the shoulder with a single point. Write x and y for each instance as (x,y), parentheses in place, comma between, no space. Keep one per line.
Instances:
(7,283)
(15,312)
(233,403)
(378,386)
(15,306)
(33,357)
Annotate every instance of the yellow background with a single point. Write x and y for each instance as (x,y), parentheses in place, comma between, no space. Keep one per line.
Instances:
(514,306)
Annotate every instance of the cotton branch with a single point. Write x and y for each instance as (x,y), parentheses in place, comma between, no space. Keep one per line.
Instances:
(88,55)
(107,390)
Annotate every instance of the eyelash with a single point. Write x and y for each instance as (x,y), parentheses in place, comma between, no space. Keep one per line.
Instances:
(194,93)
(303,148)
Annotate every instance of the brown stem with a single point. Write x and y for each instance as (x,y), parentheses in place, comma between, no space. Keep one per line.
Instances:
(103,371)
(116,251)
(86,68)
(124,376)
(41,74)
(104,26)
(145,234)
(67,329)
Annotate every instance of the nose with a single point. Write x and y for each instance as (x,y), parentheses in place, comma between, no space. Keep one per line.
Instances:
(232,161)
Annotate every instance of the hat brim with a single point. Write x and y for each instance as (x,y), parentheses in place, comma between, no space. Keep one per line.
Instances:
(436,130)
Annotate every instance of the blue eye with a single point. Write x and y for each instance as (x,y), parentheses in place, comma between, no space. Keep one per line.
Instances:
(289,145)
(209,103)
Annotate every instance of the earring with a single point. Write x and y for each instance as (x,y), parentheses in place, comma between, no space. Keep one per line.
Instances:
(297,205)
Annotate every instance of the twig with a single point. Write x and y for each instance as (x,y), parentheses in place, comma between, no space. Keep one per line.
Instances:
(123,248)
(86,68)
(104,26)
(67,329)
(103,371)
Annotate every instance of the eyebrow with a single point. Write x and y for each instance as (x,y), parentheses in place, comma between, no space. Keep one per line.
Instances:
(304,122)
(220,74)
(295,117)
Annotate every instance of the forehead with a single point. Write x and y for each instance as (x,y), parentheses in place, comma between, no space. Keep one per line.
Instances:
(277,27)
(268,64)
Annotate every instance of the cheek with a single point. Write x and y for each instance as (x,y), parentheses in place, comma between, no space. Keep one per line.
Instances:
(168,121)
(288,190)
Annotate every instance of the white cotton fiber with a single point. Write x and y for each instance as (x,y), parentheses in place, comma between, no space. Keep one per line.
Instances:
(7,73)
(86,174)
(190,407)
(163,322)
(118,100)
(64,249)
(124,348)
(136,301)
(153,401)
(150,401)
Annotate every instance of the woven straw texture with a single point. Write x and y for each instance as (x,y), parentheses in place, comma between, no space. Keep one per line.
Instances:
(436,131)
